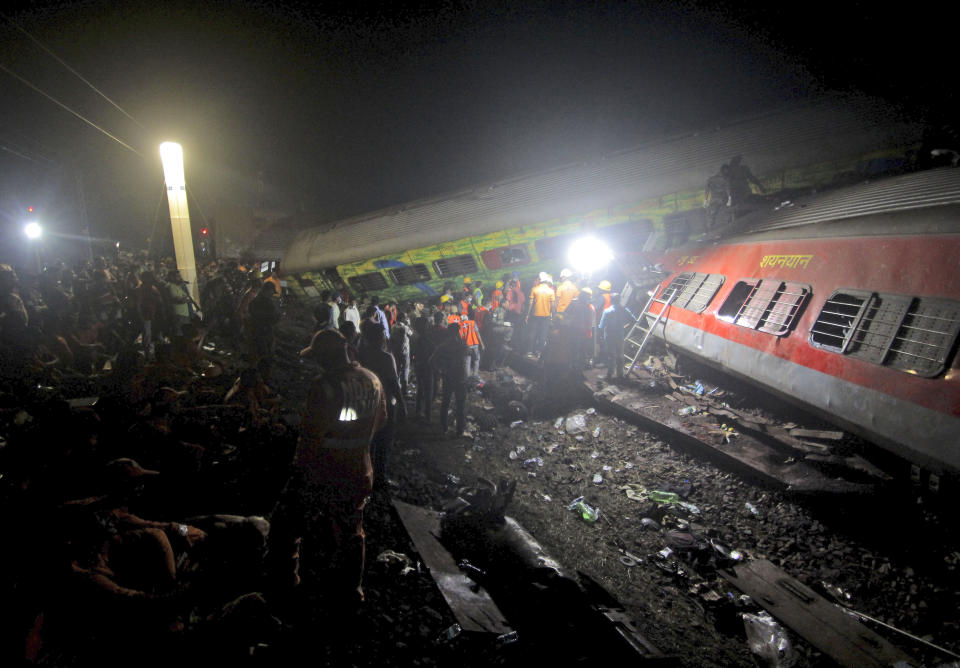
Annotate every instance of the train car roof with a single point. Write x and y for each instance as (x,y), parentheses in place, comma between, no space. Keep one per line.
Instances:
(810,133)
(917,203)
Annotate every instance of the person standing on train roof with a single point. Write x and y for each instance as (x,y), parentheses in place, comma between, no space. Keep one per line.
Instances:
(566,291)
(740,178)
(539,313)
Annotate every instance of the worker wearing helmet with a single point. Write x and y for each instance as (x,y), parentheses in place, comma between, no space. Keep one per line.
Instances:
(603,300)
(539,313)
(497,295)
(332,473)
(566,291)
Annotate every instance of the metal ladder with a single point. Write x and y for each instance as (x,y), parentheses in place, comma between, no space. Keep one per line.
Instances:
(636,339)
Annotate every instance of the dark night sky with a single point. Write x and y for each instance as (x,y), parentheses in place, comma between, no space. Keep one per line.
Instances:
(344,108)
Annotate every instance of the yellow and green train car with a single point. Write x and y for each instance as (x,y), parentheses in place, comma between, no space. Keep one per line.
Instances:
(638,200)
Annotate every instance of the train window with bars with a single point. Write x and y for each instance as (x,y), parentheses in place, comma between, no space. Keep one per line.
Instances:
(694,290)
(408,275)
(767,305)
(913,334)
(455,266)
(508,256)
(369,282)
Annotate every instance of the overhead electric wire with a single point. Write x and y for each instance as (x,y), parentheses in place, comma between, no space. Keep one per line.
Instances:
(65,107)
(74,72)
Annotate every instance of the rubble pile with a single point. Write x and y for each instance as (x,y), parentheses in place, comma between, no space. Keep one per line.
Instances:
(659,525)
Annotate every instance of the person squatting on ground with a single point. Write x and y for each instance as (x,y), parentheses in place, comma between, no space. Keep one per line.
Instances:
(331,476)
(450,359)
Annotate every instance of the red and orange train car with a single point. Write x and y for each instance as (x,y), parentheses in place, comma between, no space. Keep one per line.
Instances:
(847,304)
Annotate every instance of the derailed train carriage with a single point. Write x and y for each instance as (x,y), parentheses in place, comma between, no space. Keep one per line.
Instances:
(636,200)
(846,304)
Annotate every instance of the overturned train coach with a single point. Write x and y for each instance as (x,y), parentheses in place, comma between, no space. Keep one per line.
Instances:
(637,200)
(847,304)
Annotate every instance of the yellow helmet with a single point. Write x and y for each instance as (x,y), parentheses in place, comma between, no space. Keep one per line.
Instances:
(445,298)
(604,285)
(499,284)
(466,279)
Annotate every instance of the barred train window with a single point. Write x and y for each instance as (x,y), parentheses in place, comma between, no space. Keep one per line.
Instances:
(457,265)
(694,290)
(414,273)
(913,334)
(769,305)
(369,282)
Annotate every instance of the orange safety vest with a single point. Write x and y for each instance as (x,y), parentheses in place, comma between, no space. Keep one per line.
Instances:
(607,300)
(453,318)
(565,294)
(496,298)
(479,315)
(468,332)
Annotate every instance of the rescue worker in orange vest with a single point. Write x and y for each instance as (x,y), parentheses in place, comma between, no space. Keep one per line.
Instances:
(604,299)
(497,295)
(540,312)
(466,306)
(566,291)
(471,336)
(453,315)
(467,289)
(331,475)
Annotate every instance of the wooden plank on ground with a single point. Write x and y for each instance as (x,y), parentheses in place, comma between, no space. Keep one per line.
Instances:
(470,603)
(817,433)
(822,624)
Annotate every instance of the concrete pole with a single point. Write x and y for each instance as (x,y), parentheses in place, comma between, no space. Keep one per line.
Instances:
(171,154)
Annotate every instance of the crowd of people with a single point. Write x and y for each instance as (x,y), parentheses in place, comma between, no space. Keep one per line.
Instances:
(131,426)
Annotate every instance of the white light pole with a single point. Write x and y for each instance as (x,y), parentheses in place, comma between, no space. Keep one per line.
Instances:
(171,155)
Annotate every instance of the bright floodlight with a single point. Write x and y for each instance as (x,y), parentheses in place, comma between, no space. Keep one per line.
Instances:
(171,155)
(33,230)
(589,254)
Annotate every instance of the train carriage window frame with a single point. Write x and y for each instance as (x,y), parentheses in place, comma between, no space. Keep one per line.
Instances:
(768,305)
(696,290)
(838,320)
(369,282)
(916,335)
(456,265)
(410,274)
(506,257)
